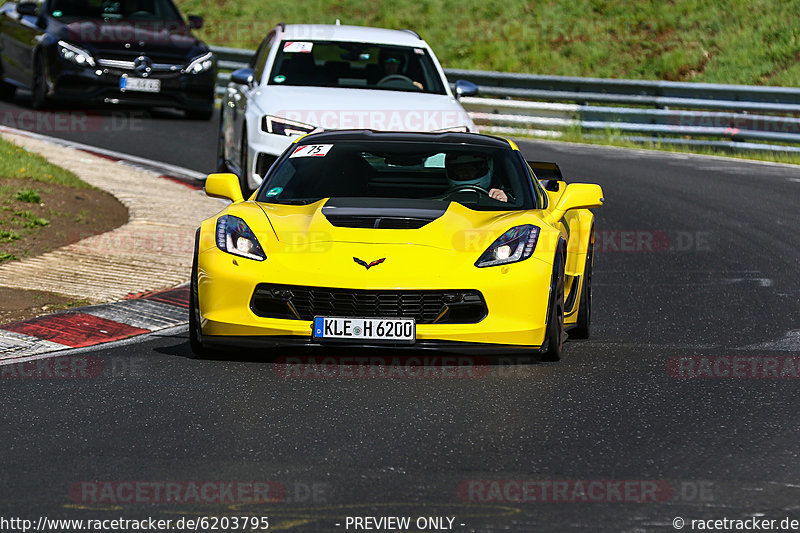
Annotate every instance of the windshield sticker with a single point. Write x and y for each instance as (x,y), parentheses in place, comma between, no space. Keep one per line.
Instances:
(419,51)
(297,46)
(280,78)
(311,150)
(275,191)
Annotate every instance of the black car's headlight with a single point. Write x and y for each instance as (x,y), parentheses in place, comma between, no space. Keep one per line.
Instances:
(200,64)
(282,126)
(235,237)
(75,55)
(516,244)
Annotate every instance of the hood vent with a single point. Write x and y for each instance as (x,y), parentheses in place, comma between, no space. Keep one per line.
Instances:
(377,222)
(382,213)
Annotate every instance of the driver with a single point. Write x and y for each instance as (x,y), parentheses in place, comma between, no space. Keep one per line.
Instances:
(391,64)
(465,170)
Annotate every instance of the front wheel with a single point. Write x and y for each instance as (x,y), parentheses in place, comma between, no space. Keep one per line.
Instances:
(39,99)
(244,168)
(554,337)
(195,333)
(582,327)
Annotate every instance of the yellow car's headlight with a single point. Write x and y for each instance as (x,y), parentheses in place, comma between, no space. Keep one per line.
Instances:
(235,237)
(516,244)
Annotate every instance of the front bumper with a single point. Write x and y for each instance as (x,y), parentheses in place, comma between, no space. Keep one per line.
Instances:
(516,295)
(97,85)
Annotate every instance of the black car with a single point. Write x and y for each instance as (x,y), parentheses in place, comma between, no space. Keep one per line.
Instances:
(114,51)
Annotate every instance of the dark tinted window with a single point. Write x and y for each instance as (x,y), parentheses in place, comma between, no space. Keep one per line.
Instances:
(355,65)
(114,10)
(399,170)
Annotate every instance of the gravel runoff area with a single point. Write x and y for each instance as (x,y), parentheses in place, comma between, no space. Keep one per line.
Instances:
(152,251)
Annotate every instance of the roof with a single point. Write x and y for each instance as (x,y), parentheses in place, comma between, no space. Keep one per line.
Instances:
(331,32)
(437,138)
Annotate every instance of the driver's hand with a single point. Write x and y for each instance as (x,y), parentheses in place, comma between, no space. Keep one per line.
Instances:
(498,194)
(418,85)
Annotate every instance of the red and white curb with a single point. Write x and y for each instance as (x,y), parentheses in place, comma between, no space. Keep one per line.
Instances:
(95,324)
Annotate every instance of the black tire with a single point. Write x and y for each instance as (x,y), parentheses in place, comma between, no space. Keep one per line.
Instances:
(198,349)
(583,326)
(7,91)
(243,167)
(222,165)
(555,316)
(199,114)
(39,99)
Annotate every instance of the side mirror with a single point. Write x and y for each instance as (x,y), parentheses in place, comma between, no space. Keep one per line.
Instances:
(465,88)
(580,196)
(27,9)
(224,185)
(243,76)
(195,22)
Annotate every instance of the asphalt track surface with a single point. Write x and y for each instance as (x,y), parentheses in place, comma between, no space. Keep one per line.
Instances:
(696,257)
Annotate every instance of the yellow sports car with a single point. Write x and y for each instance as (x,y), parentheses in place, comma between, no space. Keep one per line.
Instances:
(415,240)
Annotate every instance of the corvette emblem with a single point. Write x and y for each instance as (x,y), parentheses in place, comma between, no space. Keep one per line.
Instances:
(368,265)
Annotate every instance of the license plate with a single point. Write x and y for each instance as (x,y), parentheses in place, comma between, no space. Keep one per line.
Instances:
(139,84)
(372,329)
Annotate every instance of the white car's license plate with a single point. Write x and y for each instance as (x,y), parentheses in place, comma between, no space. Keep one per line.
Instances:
(372,329)
(139,84)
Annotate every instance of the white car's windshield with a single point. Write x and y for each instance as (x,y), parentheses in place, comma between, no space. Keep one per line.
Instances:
(355,65)
(413,171)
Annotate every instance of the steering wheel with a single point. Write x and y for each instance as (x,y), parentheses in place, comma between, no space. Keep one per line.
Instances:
(386,80)
(473,188)
(140,15)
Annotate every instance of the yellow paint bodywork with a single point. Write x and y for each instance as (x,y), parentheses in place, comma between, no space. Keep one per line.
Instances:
(303,248)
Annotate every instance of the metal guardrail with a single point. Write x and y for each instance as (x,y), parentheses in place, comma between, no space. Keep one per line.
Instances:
(724,116)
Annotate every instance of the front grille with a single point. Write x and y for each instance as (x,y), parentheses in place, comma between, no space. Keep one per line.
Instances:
(425,306)
(377,222)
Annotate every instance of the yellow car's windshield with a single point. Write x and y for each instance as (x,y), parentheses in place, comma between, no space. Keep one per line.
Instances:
(478,177)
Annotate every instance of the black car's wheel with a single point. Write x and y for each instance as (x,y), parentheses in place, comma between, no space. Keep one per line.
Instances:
(39,99)
(222,164)
(199,114)
(582,328)
(555,316)
(243,167)
(195,336)
(7,91)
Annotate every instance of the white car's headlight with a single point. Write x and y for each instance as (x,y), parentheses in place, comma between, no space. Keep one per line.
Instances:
(199,64)
(282,126)
(76,55)
(235,237)
(516,244)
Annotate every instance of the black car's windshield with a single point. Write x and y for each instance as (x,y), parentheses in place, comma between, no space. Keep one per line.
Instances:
(359,65)
(415,171)
(115,10)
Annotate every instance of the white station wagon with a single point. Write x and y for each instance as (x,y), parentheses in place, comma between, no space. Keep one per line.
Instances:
(314,77)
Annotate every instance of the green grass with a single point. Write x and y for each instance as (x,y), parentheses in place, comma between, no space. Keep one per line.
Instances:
(16,162)
(751,42)
(28,196)
(7,257)
(29,220)
(8,235)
